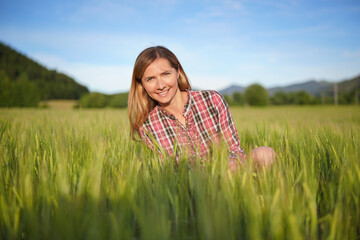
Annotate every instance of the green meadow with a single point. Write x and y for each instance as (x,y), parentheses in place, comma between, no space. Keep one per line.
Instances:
(76,174)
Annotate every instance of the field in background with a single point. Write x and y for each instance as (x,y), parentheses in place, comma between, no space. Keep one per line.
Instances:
(59,104)
(76,174)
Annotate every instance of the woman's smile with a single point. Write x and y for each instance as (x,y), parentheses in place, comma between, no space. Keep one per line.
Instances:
(164,93)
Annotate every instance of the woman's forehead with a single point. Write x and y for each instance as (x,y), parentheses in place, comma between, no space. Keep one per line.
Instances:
(159,65)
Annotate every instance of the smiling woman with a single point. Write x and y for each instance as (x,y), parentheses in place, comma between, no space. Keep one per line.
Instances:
(174,120)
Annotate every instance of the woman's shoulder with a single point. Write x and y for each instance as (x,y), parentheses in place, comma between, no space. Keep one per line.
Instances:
(206,95)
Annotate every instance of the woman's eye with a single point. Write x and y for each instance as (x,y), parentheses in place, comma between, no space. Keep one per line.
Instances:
(165,74)
(148,79)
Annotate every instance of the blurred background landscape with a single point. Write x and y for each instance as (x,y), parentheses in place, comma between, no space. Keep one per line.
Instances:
(26,83)
(253,52)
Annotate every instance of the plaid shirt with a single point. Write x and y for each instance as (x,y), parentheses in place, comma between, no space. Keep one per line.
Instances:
(207,118)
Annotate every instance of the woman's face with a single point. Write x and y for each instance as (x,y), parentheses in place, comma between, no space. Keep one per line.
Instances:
(160,81)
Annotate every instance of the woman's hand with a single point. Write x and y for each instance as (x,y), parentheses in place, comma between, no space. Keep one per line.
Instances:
(262,157)
(233,165)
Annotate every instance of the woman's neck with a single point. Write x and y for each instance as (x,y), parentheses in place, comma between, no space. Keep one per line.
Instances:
(177,105)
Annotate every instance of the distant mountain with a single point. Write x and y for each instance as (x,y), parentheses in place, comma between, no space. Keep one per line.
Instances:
(18,70)
(316,88)
(348,85)
(231,89)
(313,87)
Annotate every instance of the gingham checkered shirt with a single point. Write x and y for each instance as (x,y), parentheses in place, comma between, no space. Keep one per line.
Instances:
(207,118)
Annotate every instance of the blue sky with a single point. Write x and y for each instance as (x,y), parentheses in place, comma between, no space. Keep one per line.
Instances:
(274,43)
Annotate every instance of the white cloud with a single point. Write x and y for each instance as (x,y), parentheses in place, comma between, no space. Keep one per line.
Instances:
(104,78)
(97,77)
(210,82)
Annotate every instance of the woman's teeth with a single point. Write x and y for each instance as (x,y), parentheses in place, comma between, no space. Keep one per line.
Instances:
(163,93)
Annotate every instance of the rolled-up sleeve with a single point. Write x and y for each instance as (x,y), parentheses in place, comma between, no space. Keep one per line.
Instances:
(228,129)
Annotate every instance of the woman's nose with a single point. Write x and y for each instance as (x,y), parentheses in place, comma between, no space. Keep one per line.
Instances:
(160,84)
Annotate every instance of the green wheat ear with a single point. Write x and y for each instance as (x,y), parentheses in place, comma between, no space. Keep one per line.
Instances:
(155,143)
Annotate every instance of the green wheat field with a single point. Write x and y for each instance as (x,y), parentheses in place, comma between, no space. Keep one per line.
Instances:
(76,174)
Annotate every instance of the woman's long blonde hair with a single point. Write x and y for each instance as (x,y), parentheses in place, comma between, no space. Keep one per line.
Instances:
(139,102)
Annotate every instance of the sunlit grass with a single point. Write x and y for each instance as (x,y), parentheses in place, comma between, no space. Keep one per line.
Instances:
(58,104)
(76,174)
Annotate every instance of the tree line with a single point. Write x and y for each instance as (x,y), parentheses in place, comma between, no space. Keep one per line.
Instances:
(257,95)
(100,100)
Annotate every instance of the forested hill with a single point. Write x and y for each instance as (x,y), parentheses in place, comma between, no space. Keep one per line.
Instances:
(19,75)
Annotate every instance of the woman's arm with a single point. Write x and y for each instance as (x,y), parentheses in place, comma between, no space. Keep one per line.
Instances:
(228,129)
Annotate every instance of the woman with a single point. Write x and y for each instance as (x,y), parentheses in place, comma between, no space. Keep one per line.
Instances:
(174,120)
